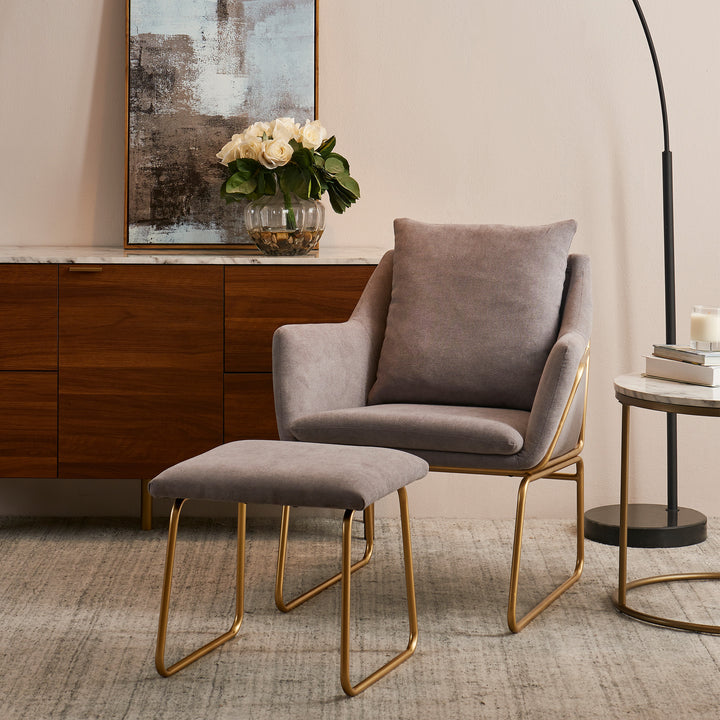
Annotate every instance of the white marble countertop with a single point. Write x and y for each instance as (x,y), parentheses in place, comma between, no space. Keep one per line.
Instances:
(211,256)
(642,387)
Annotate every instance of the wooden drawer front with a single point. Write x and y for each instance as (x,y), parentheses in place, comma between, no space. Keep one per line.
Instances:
(28,317)
(141,316)
(135,423)
(259,299)
(28,424)
(249,407)
(140,383)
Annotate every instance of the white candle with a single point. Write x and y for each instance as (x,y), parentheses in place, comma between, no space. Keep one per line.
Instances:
(705,324)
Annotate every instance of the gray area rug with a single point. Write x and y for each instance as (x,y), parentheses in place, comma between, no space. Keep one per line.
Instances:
(79,603)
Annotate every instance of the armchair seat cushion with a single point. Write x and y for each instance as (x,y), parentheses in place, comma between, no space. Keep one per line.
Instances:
(444,428)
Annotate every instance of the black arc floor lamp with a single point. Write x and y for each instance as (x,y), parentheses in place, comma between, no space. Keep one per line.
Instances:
(656,525)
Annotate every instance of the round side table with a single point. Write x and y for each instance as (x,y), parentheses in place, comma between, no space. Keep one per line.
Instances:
(665,396)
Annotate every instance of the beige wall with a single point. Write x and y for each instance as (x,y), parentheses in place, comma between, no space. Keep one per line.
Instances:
(465,110)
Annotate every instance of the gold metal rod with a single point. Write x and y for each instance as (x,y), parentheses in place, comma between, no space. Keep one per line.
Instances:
(167,586)
(345,604)
(624,491)
(514,624)
(369,523)
(282,558)
(620,597)
(409,574)
(516,556)
(582,370)
(548,470)
(84,268)
(347,686)
(624,608)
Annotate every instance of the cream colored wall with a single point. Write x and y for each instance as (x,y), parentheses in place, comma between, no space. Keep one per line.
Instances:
(463,110)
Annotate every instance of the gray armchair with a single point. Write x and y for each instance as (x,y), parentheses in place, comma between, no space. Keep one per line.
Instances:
(469,348)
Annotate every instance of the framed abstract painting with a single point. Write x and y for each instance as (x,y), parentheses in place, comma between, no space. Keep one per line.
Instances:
(199,71)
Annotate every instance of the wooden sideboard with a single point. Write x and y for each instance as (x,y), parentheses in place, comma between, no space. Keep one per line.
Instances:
(120,370)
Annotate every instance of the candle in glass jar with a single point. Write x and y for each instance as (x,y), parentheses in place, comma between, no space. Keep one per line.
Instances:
(705,328)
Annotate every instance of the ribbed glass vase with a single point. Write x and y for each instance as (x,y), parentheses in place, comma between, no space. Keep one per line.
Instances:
(284,224)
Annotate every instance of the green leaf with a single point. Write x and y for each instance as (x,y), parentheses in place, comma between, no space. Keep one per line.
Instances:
(266,183)
(247,165)
(327,147)
(303,157)
(302,187)
(335,164)
(348,183)
(296,180)
(240,184)
(317,187)
(336,202)
(224,194)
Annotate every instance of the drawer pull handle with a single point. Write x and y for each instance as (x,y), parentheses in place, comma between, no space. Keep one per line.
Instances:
(85,268)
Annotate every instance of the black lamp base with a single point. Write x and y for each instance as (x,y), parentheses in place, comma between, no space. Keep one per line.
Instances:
(648,526)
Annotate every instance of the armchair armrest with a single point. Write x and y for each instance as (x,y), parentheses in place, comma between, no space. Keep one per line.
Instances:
(329,366)
(560,372)
(320,367)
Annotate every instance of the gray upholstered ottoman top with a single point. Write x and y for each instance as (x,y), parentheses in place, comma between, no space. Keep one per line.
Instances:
(291,473)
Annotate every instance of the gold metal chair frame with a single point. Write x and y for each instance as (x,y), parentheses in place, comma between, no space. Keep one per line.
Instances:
(548,468)
(620,597)
(344,576)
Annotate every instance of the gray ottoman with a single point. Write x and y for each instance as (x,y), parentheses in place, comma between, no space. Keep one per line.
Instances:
(293,474)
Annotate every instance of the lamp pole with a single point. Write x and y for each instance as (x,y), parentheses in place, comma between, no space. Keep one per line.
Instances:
(656,525)
(669,254)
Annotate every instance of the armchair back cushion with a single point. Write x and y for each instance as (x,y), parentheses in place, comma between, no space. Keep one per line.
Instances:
(474,312)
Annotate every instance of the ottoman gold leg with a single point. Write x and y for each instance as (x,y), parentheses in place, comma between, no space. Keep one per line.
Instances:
(167,586)
(347,686)
(282,556)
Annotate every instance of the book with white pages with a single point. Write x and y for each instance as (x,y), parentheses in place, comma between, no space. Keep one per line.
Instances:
(687,354)
(682,371)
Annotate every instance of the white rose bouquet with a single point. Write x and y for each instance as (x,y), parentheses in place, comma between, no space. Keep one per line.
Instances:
(281,155)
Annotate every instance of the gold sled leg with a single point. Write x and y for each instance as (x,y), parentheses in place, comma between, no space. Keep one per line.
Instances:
(167,585)
(344,575)
(516,625)
(347,686)
(369,515)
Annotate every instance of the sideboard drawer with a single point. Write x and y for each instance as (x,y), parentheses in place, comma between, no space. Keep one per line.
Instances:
(28,424)
(140,381)
(28,317)
(261,298)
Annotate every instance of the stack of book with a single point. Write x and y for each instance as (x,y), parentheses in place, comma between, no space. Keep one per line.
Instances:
(684,364)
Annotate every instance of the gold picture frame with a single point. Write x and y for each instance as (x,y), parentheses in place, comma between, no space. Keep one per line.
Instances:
(193,79)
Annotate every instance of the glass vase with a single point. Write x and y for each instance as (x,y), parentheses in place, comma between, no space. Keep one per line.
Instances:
(284,224)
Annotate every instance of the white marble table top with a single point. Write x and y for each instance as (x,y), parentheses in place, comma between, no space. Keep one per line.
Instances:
(669,392)
(212,256)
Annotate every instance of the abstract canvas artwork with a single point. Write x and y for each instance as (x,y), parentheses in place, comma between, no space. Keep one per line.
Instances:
(198,72)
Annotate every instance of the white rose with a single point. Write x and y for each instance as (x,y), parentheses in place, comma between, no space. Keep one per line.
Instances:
(275,153)
(312,135)
(257,130)
(231,150)
(250,148)
(284,129)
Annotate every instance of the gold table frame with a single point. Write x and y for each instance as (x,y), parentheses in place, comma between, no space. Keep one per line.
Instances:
(706,403)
